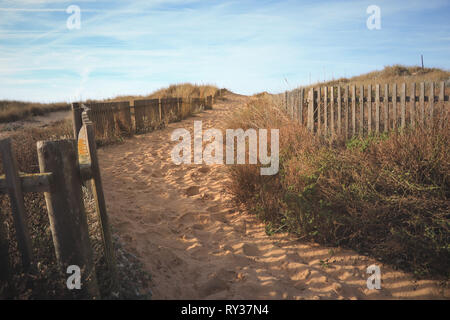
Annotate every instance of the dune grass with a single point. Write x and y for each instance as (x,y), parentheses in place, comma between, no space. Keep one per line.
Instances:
(183,90)
(17,110)
(393,74)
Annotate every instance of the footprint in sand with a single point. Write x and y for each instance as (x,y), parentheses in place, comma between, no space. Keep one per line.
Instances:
(186,217)
(250,250)
(203,170)
(192,191)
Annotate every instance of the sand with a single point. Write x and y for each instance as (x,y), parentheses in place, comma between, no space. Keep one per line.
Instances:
(196,243)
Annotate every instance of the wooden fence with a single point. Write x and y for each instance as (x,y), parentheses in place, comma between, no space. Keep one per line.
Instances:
(65,165)
(116,119)
(362,110)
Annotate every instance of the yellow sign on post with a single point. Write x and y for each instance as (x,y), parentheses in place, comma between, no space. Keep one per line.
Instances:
(84,157)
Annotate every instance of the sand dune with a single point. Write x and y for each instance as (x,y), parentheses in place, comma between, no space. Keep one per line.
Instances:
(181,222)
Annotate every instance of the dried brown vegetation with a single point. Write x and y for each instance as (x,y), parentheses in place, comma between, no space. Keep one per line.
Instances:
(183,90)
(387,196)
(16,110)
(393,74)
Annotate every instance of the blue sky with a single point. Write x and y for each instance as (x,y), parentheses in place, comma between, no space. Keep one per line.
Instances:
(248,46)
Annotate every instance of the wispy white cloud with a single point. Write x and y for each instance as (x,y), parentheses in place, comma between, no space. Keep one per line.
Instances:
(123,47)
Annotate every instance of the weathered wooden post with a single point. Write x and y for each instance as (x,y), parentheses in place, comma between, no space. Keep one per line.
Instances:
(179,109)
(403,106)
(209,103)
(443,115)
(431,102)
(332,120)
(300,107)
(377,109)
(286,101)
(339,110)
(97,191)
(160,111)
(412,105)
(317,114)
(76,119)
(311,108)
(14,187)
(65,207)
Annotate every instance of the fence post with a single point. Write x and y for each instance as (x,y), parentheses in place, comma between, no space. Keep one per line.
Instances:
(286,101)
(160,110)
(361,110)
(394,107)
(66,212)
(311,107)
(318,115)
(422,103)
(17,204)
(332,121)
(97,191)
(179,104)
(325,111)
(369,109)
(386,108)
(300,107)
(443,115)
(339,110)
(76,119)
(403,106)
(354,110)
(377,108)
(412,100)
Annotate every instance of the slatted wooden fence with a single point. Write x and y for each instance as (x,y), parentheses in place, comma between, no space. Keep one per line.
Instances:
(111,119)
(362,110)
(115,119)
(147,115)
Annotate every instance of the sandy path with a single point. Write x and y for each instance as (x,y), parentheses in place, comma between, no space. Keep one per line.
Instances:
(180,221)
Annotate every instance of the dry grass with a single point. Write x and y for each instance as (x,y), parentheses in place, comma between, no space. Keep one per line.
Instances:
(388,195)
(393,74)
(16,110)
(183,90)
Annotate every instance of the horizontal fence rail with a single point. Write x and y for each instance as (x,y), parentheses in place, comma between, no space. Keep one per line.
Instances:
(362,110)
